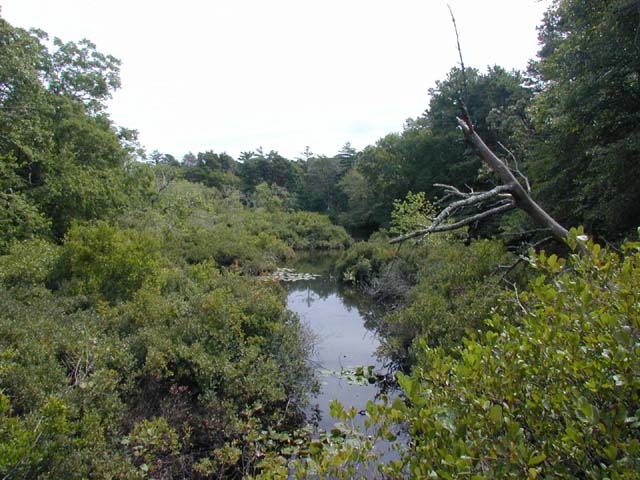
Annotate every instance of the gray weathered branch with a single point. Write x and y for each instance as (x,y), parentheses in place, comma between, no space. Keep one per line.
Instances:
(513,195)
(468,199)
(522,198)
(459,224)
(516,167)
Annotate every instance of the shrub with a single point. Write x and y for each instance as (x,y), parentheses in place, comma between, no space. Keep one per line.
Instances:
(549,390)
(99,259)
(207,357)
(364,260)
(457,286)
(28,263)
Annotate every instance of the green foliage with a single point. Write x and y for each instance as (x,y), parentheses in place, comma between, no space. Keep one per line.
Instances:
(583,155)
(270,198)
(213,170)
(430,149)
(357,212)
(60,156)
(82,193)
(411,213)
(273,169)
(197,224)
(176,380)
(549,390)
(153,442)
(312,231)
(320,190)
(20,220)
(33,445)
(28,263)
(166,365)
(364,260)
(457,287)
(144,346)
(384,167)
(99,259)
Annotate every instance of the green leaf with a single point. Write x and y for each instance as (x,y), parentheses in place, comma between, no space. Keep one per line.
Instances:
(612,452)
(495,414)
(536,459)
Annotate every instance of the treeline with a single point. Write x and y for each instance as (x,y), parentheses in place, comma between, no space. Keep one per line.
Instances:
(570,121)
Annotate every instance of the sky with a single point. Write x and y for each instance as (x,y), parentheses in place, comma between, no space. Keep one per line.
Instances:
(235,75)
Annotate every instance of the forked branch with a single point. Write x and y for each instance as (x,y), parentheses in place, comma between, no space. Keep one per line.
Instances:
(468,199)
(511,195)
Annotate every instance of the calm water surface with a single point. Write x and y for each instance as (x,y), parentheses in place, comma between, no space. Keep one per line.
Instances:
(343,323)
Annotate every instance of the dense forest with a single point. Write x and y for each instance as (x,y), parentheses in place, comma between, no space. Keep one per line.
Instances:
(141,338)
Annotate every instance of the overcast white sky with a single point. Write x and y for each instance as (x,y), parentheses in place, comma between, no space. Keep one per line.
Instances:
(282,74)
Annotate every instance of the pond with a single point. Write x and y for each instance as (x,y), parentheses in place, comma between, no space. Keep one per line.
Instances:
(343,323)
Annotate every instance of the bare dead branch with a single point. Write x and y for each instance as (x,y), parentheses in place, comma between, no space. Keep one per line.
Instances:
(465,202)
(463,93)
(517,167)
(521,196)
(505,207)
(518,302)
(442,200)
(450,189)
(434,228)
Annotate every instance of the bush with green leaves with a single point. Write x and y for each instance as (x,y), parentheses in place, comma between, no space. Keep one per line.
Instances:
(365,260)
(456,287)
(174,381)
(100,259)
(28,263)
(549,390)
(312,231)
(195,223)
(149,348)
(19,219)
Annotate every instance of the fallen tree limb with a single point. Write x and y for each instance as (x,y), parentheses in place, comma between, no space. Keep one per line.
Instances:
(512,192)
(521,197)
(454,226)
(513,195)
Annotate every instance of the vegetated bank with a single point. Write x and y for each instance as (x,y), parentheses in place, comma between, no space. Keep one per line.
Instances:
(135,338)
(147,347)
(152,277)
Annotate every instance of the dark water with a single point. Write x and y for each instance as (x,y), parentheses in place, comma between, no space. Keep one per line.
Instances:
(343,322)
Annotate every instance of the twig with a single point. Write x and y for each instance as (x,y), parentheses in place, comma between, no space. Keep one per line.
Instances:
(519,302)
(522,258)
(463,94)
(517,167)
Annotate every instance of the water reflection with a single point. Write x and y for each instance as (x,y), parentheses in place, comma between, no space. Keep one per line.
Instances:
(343,322)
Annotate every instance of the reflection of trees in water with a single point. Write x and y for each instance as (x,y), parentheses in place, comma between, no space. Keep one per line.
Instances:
(318,261)
(323,287)
(369,309)
(372,312)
